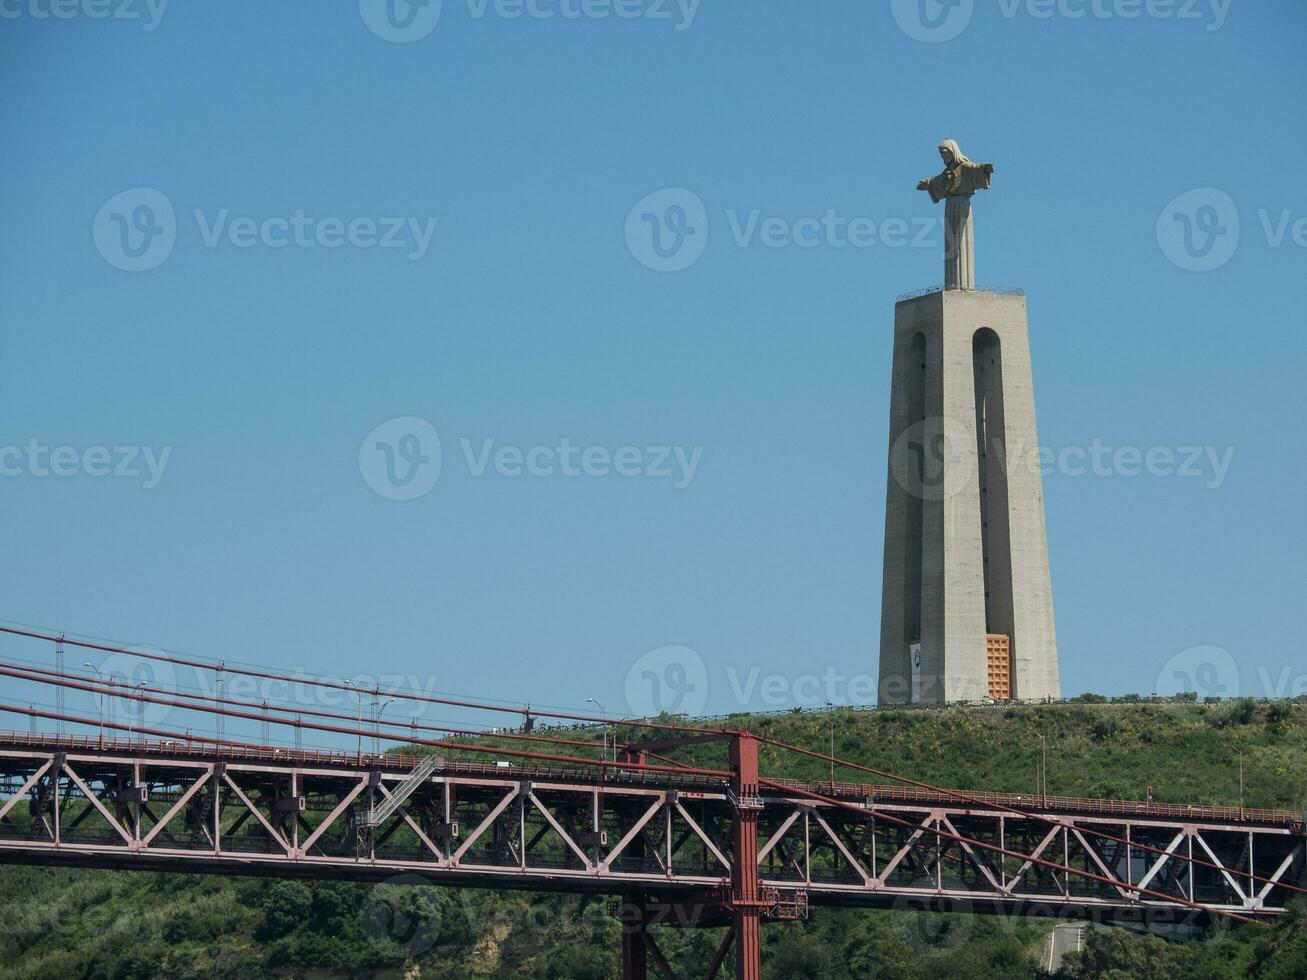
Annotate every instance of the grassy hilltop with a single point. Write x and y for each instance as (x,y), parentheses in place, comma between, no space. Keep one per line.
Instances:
(61,923)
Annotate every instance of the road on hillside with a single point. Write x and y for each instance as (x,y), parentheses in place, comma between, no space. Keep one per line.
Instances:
(1062,940)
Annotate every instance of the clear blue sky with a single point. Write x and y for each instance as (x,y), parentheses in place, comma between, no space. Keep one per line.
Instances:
(528,319)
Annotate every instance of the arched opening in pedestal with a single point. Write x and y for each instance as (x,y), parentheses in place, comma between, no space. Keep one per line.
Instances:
(914,524)
(995,540)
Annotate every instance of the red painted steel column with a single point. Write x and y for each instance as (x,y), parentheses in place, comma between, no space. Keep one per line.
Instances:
(634,958)
(635,951)
(745,901)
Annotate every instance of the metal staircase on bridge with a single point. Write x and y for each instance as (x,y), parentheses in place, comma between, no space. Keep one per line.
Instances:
(375,816)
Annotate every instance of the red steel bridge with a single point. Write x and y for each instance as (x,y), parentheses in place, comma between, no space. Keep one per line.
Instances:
(681,845)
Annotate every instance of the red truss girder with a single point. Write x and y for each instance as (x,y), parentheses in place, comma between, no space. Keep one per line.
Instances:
(661,837)
(566,833)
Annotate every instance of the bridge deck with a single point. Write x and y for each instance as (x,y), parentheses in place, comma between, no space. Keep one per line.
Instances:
(186,806)
(394,763)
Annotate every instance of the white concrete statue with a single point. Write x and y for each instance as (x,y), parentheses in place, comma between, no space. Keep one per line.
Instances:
(955,185)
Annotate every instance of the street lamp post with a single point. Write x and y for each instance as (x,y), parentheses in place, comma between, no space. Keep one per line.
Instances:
(358,695)
(99,698)
(1241,784)
(220,719)
(603,709)
(59,691)
(1043,769)
(830,720)
(376,726)
(138,704)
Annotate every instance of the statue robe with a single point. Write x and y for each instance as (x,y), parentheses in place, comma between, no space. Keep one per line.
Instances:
(962,180)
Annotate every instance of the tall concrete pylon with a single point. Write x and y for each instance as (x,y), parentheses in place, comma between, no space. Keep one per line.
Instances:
(967,605)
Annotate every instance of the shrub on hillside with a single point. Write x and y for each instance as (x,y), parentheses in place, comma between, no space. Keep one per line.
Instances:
(1105,727)
(1114,953)
(1280,711)
(285,906)
(1240,712)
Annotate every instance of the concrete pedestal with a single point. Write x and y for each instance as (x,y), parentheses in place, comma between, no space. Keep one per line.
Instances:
(966,553)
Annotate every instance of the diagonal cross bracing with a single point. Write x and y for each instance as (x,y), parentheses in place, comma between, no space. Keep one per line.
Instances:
(485,824)
(95,801)
(780,832)
(340,808)
(802,823)
(698,832)
(177,807)
(843,849)
(1161,861)
(631,834)
(275,834)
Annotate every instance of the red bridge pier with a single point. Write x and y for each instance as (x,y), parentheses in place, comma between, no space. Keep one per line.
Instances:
(740,906)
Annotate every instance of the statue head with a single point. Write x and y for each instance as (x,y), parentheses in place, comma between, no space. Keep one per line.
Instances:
(951,153)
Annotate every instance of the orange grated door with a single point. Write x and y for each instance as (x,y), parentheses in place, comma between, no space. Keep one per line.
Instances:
(998,656)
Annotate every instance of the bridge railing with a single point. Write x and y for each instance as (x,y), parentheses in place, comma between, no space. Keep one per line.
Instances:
(869,792)
(391,762)
(881,793)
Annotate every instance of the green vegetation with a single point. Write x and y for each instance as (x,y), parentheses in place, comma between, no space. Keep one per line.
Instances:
(66,923)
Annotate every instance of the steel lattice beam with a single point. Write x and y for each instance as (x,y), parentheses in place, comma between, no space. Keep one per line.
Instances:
(630,833)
